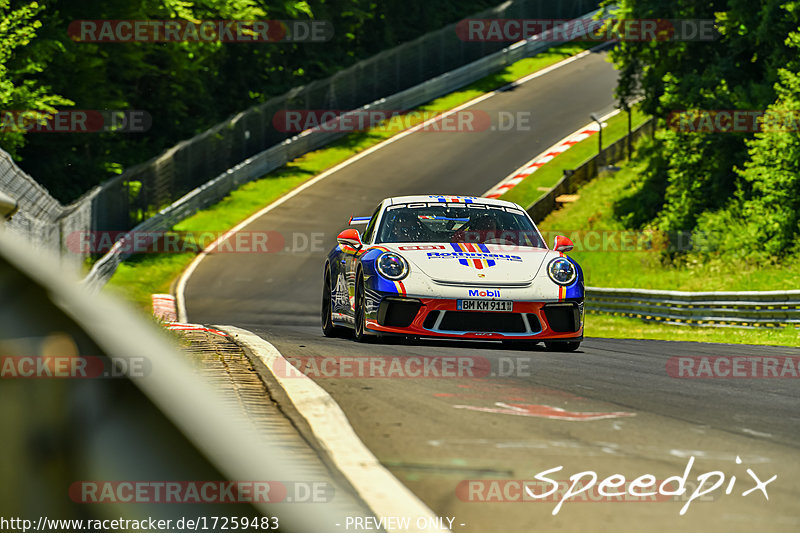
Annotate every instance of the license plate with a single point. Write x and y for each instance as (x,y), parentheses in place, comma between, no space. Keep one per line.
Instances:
(486,305)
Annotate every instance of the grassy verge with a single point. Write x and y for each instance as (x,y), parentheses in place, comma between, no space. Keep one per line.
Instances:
(594,212)
(610,266)
(614,327)
(529,190)
(143,275)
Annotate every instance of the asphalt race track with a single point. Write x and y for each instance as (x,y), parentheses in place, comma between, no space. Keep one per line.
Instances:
(459,442)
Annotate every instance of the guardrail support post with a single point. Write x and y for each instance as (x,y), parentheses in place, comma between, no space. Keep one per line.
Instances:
(599,134)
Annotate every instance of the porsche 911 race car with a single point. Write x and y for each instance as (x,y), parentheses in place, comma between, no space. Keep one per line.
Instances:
(457,267)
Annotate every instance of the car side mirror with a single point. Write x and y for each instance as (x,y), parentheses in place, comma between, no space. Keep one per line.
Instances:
(350,237)
(562,244)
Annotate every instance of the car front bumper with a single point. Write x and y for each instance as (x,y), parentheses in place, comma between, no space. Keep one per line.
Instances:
(440,317)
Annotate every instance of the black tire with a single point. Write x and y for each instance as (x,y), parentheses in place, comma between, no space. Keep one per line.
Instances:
(359,331)
(569,346)
(328,328)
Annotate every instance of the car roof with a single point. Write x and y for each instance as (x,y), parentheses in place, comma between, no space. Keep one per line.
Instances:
(448,198)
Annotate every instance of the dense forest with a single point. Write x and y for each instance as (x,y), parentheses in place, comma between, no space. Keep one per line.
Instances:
(737,191)
(186,87)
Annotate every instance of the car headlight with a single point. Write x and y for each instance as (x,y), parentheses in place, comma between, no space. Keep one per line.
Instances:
(562,271)
(392,266)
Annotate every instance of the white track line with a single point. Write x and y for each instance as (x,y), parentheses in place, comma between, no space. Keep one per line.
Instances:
(379,489)
(385,495)
(184,278)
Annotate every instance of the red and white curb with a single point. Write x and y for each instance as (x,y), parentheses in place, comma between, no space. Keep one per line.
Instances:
(532,166)
(180,326)
(180,287)
(164,309)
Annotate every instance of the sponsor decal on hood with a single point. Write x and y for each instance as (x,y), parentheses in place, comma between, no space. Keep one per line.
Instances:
(465,262)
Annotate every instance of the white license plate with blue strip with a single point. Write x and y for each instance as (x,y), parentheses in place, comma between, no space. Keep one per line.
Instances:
(505,306)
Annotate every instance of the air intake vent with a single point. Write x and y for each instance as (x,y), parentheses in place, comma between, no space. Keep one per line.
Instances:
(474,321)
(430,320)
(397,312)
(563,318)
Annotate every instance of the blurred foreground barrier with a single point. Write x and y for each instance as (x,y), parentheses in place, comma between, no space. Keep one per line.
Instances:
(8,206)
(156,421)
(708,309)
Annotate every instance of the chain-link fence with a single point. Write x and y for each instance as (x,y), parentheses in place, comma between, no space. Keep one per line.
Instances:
(142,190)
(197,172)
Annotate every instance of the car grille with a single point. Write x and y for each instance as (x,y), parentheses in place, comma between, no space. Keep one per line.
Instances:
(479,321)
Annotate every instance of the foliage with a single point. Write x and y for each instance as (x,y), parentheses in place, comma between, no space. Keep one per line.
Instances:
(186,87)
(742,187)
(763,218)
(18,88)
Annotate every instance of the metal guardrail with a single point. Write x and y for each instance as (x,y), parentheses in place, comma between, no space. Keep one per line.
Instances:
(183,177)
(161,423)
(277,156)
(749,309)
(586,172)
(126,200)
(707,309)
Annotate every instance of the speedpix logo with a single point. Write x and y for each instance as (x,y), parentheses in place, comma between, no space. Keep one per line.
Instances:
(485,294)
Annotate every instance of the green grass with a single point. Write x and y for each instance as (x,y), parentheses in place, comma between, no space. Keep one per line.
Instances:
(593,213)
(145,274)
(615,327)
(142,275)
(527,191)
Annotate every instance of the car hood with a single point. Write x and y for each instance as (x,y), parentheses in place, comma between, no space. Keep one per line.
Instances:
(474,264)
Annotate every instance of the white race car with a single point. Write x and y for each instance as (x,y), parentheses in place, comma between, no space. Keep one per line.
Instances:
(458,267)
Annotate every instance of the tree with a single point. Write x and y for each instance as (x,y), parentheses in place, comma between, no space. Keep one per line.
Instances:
(741,69)
(20,88)
(763,220)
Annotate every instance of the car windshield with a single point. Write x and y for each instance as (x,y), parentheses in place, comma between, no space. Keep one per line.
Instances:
(478,223)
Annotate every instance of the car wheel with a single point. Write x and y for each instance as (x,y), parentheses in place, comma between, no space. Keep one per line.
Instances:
(570,346)
(328,328)
(360,334)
